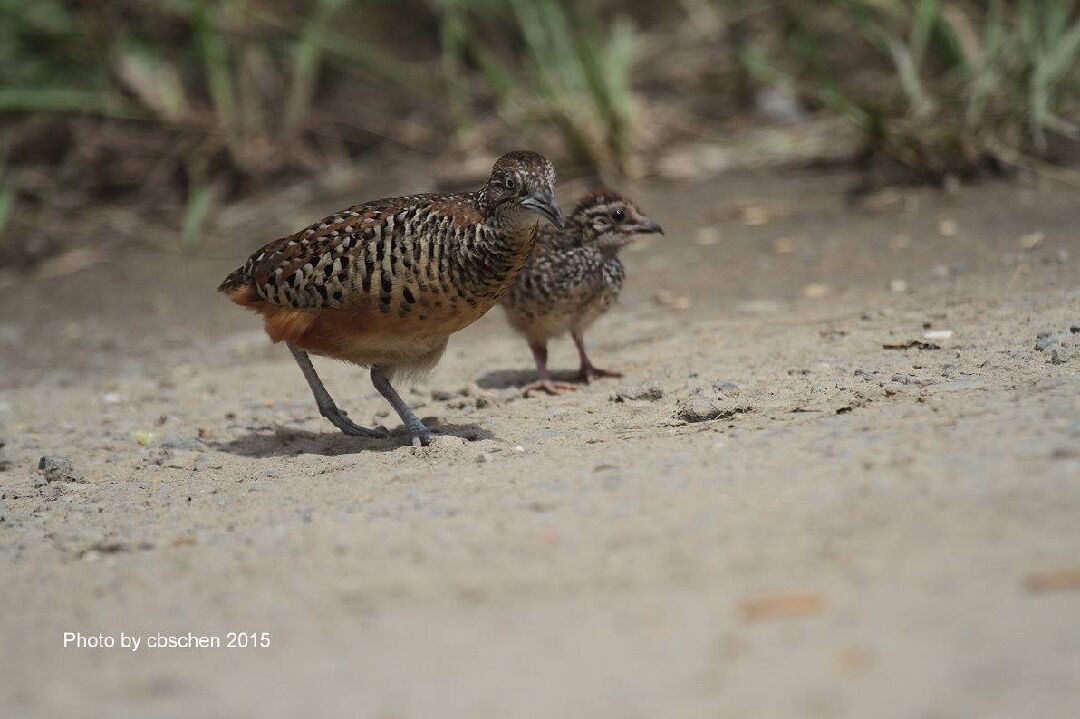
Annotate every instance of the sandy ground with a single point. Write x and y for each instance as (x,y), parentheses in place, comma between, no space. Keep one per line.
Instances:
(858,532)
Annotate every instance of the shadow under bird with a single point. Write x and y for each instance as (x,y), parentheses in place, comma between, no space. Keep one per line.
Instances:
(573,276)
(385,283)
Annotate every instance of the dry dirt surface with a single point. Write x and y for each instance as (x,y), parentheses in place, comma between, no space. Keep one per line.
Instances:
(841,478)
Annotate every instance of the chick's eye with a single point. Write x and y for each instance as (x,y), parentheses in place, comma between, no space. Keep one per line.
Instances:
(618,215)
(510,183)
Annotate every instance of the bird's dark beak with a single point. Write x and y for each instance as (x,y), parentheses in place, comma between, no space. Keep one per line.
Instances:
(543,204)
(648,228)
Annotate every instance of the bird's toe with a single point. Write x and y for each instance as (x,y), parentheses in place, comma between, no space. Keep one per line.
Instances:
(421,436)
(549,387)
(588,374)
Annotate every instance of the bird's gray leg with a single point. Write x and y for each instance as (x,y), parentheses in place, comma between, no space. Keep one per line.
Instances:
(588,371)
(327,408)
(544,383)
(421,435)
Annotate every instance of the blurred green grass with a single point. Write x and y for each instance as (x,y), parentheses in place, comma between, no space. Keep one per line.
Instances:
(964,85)
(205,100)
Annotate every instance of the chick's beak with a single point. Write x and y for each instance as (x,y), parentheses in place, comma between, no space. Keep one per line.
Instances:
(543,204)
(648,227)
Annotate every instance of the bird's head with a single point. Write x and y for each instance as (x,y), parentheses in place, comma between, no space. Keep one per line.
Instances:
(523,181)
(610,220)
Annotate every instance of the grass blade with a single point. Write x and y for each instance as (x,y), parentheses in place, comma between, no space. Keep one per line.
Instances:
(197,211)
(305,70)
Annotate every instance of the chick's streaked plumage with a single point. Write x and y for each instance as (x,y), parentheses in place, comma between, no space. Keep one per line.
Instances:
(384,284)
(573,276)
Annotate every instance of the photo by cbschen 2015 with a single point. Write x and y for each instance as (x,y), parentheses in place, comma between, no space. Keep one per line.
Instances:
(156,640)
(697,359)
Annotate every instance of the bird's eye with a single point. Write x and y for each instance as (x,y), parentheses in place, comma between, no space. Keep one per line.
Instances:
(510,183)
(618,215)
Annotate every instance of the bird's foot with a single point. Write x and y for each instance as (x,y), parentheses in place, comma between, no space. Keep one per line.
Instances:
(421,435)
(548,386)
(588,373)
(341,420)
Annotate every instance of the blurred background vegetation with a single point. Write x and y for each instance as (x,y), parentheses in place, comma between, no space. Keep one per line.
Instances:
(149,118)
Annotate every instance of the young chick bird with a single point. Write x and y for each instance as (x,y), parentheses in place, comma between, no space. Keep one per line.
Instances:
(384,284)
(573,276)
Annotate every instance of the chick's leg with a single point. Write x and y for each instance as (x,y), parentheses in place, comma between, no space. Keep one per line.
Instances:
(327,408)
(587,371)
(544,383)
(420,434)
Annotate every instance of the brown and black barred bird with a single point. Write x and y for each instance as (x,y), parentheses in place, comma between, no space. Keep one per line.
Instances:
(573,276)
(384,284)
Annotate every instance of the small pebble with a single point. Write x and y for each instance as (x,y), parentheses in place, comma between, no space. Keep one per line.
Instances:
(647,391)
(726,388)
(702,408)
(1046,340)
(1032,240)
(56,469)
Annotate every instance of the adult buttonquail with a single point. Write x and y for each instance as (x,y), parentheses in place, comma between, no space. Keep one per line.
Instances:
(384,284)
